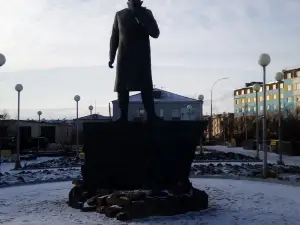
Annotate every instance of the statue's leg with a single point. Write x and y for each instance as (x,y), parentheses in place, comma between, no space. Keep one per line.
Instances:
(148,101)
(123,97)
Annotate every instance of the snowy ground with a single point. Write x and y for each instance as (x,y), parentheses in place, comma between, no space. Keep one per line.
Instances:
(272,157)
(231,202)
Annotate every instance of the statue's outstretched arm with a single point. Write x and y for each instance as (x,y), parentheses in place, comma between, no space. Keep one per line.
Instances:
(114,40)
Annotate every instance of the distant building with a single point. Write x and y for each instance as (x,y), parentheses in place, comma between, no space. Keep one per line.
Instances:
(91,118)
(217,123)
(54,132)
(245,101)
(169,106)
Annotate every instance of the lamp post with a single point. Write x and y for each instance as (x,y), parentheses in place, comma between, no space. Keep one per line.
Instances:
(18,88)
(211,105)
(201,98)
(91,109)
(39,114)
(279,78)
(224,127)
(2,60)
(264,61)
(77,99)
(256,88)
(190,108)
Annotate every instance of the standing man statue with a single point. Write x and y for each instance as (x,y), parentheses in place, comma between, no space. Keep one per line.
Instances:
(130,36)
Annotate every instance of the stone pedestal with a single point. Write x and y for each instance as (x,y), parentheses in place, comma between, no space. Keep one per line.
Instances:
(139,156)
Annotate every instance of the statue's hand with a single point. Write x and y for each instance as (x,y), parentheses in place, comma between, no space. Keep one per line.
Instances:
(110,64)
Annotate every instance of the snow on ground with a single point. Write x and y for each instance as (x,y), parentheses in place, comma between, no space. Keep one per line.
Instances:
(6,167)
(231,202)
(272,157)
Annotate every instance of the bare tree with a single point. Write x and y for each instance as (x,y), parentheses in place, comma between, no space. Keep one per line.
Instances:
(4,115)
(297,112)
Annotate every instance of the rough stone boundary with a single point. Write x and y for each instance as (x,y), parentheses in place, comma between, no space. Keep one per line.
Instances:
(195,161)
(227,161)
(269,180)
(46,168)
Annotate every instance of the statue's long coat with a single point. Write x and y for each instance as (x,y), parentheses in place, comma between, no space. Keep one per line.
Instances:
(131,39)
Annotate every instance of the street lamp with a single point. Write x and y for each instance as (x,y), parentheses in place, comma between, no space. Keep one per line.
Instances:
(39,114)
(279,78)
(77,99)
(18,88)
(211,107)
(142,113)
(190,108)
(224,127)
(256,88)
(264,61)
(201,98)
(2,60)
(91,109)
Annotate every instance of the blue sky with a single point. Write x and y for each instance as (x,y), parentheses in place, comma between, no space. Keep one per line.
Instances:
(58,49)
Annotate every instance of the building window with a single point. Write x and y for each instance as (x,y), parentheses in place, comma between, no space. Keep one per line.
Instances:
(268,87)
(243,109)
(289,87)
(289,99)
(236,93)
(254,99)
(248,91)
(275,96)
(281,105)
(236,102)
(268,107)
(243,100)
(274,107)
(242,92)
(260,90)
(175,112)
(249,100)
(261,107)
(298,86)
(281,85)
(254,108)
(268,97)
(281,95)
(298,73)
(297,99)
(289,76)
(161,112)
(261,98)
(274,86)
(249,109)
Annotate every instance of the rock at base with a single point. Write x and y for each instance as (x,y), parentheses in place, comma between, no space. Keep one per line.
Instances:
(127,205)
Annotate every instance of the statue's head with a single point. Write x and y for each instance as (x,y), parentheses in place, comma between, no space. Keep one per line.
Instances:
(135,2)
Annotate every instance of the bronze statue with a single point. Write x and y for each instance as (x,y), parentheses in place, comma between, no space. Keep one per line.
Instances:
(130,36)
